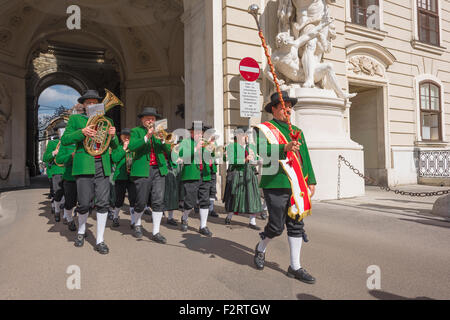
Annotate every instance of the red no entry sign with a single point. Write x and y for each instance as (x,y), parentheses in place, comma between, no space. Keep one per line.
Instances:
(249,69)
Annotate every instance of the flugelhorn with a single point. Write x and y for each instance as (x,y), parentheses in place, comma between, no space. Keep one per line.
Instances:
(98,144)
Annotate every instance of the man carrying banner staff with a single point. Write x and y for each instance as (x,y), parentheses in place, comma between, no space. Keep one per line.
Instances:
(285,207)
(57,170)
(123,159)
(148,171)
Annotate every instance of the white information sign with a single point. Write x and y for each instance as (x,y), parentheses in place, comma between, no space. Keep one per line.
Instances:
(249,99)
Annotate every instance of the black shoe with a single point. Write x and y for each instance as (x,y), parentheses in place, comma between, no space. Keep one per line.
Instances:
(300,274)
(196,210)
(57,217)
(184,225)
(131,225)
(227,221)
(253,226)
(159,238)
(72,226)
(213,214)
(116,223)
(172,222)
(79,241)
(259,259)
(263,216)
(138,232)
(205,231)
(102,248)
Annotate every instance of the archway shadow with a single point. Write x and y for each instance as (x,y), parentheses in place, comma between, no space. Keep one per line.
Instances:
(225,249)
(383,295)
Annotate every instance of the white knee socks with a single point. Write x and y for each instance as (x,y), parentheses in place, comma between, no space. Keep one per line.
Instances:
(68,215)
(211,204)
(253,219)
(203,217)
(137,218)
(263,244)
(57,206)
(157,216)
(171,214)
(186,215)
(116,213)
(82,219)
(295,246)
(101,223)
(230,215)
(132,215)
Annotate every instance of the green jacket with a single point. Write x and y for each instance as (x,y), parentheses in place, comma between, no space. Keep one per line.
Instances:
(118,157)
(235,155)
(50,159)
(83,162)
(49,171)
(141,149)
(191,164)
(280,179)
(65,156)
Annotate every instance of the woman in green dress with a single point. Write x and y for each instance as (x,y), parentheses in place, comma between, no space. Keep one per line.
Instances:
(241,189)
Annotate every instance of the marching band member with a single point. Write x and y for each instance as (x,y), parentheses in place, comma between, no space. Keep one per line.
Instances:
(171,194)
(123,158)
(65,156)
(211,136)
(241,190)
(57,171)
(91,172)
(196,178)
(148,171)
(274,136)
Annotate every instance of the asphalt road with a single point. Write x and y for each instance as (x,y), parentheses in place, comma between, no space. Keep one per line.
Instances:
(410,248)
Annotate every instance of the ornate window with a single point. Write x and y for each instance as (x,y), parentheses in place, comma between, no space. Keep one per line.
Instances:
(430,111)
(366,13)
(428,21)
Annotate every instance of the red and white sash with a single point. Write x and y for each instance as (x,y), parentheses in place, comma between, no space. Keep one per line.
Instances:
(301,195)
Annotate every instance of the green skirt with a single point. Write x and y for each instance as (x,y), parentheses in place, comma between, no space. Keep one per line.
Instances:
(241,191)
(171,193)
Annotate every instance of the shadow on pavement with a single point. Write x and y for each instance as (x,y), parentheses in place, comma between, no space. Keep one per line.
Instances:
(62,228)
(381,207)
(401,201)
(226,249)
(304,296)
(383,295)
(435,223)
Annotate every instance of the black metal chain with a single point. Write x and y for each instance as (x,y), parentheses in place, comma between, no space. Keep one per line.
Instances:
(385,188)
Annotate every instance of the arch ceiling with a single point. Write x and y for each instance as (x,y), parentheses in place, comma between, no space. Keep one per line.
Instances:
(138,34)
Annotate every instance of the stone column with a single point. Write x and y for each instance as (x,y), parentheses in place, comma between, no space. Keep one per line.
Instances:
(320,114)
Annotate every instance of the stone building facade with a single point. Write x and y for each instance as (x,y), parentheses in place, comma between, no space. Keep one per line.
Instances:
(183,57)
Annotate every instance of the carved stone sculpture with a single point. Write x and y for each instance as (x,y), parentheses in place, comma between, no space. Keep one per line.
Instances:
(305,34)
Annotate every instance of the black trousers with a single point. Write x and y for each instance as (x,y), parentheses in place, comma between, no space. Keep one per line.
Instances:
(51,188)
(212,190)
(92,185)
(196,191)
(121,186)
(58,188)
(150,189)
(70,194)
(278,202)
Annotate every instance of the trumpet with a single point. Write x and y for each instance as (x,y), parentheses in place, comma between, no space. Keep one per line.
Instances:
(57,150)
(128,161)
(161,134)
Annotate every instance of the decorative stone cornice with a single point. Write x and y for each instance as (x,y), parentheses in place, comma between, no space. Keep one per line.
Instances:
(364,31)
(428,47)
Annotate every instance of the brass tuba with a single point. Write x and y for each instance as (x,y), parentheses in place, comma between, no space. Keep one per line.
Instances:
(97,145)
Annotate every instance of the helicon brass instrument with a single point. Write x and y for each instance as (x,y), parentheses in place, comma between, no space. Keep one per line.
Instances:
(98,144)
(57,150)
